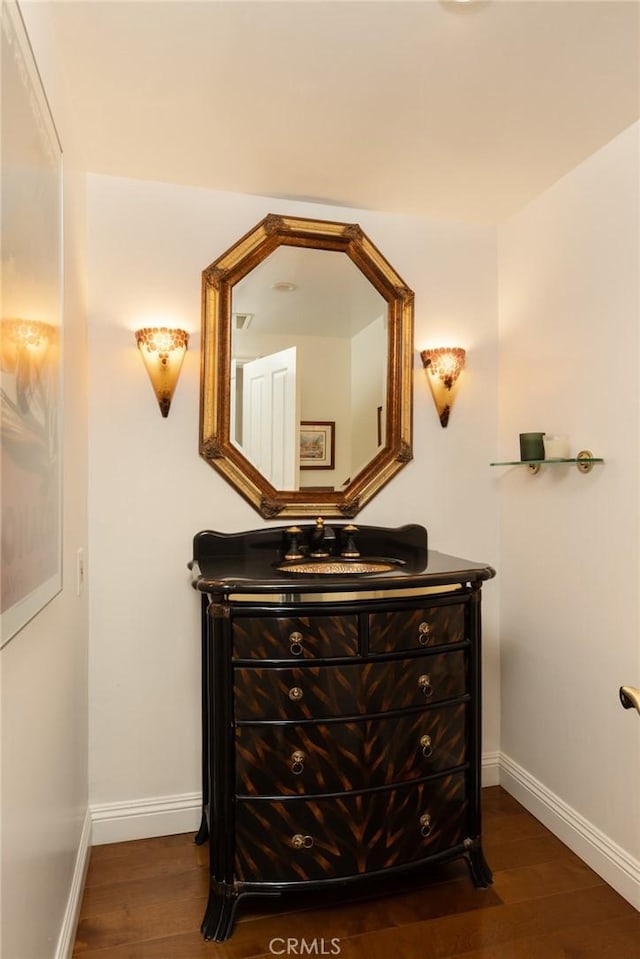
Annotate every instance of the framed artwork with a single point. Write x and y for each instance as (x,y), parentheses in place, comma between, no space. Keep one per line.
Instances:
(317,445)
(30,336)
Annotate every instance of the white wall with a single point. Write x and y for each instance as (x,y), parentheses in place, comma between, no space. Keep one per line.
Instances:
(150,492)
(369,353)
(44,667)
(570,624)
(326,396)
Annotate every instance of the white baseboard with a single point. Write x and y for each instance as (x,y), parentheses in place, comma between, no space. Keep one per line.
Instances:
(491,769)
(145,818)
(67,935)
(604,856)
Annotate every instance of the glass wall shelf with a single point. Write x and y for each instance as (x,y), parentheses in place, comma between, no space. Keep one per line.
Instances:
(584,460)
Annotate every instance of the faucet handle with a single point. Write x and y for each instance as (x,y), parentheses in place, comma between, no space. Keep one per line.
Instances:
(317,539)
(291,545)
(349,548)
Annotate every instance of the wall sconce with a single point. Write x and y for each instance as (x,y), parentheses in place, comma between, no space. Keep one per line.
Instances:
(443,365)
(24,341)
(33,335)
(162,350)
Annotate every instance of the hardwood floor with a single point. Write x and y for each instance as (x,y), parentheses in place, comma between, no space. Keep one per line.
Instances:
(145,900)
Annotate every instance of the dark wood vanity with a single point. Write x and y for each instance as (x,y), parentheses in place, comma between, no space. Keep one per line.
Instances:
(341,711)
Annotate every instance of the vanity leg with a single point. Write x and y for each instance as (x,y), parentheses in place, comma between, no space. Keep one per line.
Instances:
(481,874)
(219,914)
(203,832)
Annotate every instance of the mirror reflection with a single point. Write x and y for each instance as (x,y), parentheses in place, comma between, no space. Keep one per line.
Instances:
(309,364)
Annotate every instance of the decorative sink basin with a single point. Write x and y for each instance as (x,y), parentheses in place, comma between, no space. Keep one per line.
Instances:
(335,566)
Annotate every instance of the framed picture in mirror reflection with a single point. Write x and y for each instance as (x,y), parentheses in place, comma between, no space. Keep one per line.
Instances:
(317,445)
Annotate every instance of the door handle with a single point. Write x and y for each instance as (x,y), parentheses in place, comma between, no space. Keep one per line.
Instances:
(630,697)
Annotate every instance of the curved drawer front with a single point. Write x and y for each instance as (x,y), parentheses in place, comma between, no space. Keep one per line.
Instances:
(416,628)
(337,757)
(302,839)
(314,692)
(294,637)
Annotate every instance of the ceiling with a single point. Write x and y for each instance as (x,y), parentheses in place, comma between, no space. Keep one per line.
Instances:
(435,108)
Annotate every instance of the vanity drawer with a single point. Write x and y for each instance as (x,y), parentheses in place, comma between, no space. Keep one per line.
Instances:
(416,628)
(340,757)
(289,840)
(294,637)
(314,692)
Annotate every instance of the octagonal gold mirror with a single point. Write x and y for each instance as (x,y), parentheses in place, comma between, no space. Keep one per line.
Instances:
(306,374)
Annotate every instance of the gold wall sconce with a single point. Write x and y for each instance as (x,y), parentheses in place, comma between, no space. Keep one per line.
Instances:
(163,349)
(443,365)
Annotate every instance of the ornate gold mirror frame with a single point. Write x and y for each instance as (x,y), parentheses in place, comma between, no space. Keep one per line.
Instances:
(216,446)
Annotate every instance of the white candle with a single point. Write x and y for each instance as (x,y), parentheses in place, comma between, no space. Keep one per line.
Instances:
(556,447)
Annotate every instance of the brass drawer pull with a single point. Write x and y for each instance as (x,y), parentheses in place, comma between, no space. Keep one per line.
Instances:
(297,762)
(424,633)
(295,694)
(427,745)
(295,644)
(425,824)
(424,682)
(302,842)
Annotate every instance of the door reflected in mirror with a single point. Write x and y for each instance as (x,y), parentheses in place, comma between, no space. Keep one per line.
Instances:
(308,344)
(306,374)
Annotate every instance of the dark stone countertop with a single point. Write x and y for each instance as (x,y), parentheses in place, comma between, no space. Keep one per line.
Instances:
(248,562)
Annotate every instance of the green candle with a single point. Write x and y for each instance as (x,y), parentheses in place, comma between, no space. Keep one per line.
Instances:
(531,446)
